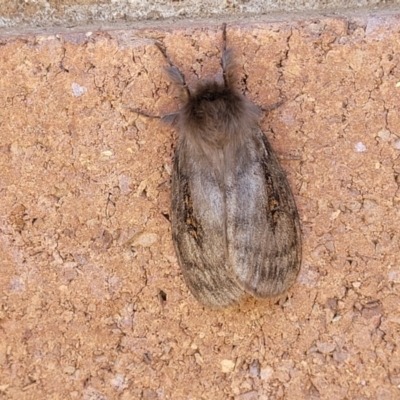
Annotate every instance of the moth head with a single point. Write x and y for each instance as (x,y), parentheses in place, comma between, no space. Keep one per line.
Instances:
(213,104)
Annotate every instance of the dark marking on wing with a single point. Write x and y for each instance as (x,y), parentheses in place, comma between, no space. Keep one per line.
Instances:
(192,224)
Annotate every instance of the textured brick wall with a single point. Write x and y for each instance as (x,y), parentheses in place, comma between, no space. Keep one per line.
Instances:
(93,305)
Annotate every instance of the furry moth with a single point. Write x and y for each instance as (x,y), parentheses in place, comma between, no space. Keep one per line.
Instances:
(235,225)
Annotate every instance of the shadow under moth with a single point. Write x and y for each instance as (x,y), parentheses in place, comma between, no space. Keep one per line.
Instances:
(235,225)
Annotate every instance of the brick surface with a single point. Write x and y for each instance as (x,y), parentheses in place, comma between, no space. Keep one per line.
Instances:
(93,305)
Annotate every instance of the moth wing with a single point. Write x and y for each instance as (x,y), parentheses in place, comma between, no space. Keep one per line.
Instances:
(198,231)
(263,229)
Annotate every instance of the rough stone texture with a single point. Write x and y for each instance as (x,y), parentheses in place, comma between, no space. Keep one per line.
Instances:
(77,12)
(93,305)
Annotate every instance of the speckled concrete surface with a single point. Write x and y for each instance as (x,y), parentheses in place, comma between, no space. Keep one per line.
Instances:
(44,13)
(93,305)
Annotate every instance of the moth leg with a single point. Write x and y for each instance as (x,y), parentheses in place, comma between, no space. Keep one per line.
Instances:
(169,119)
(274,106)
(176,77)
(227,62)
(178,80)
(140,112)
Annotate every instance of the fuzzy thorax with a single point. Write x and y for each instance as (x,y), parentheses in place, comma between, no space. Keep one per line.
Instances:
(217,114)
(213,113)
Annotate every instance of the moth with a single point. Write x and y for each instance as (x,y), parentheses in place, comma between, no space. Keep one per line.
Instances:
(235,225)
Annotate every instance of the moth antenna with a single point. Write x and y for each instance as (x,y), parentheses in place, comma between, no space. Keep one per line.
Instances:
(175,75)
(223,37)
(227,61)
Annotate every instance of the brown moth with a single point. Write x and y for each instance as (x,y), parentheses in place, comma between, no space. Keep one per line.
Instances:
(235,225)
